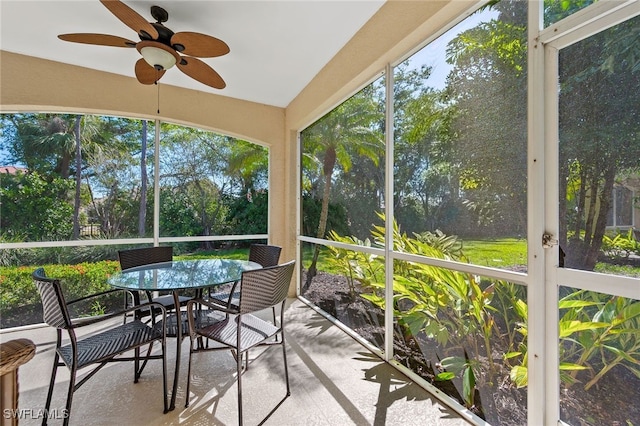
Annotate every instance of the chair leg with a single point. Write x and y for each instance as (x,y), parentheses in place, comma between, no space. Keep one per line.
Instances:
(140,368)
(244,355)
(286,369)
(164,375)
(273,310)
(47,404)
(72,384)
(136,365)
(186,404)
(239,368)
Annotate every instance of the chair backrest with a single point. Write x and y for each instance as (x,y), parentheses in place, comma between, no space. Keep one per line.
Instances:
(144,256)
(54,307)
(266,287)
(264,254)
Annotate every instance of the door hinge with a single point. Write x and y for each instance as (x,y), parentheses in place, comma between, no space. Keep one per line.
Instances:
(548,241)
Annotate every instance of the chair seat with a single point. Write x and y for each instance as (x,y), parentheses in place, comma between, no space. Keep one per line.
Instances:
(208,317)
(203,318)
(223,299)
(168,302)
(172,331)
(105,345)
(253,331)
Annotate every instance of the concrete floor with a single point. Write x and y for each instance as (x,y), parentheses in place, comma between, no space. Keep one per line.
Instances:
(334,381)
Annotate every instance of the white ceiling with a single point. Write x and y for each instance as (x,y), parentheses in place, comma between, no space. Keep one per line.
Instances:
(277,47)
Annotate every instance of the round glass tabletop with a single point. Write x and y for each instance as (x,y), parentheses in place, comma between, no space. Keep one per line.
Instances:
(182,274)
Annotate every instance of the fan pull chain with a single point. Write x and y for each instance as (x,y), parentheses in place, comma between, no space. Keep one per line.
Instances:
(158,84)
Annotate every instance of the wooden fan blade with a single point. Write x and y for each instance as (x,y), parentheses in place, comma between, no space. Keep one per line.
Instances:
(146,74)
(99,39)
(130,18)
(200,45)
(201,72)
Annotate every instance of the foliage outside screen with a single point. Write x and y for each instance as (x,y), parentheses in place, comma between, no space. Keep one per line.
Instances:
(91,177)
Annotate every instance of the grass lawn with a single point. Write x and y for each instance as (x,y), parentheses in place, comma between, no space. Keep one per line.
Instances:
(503,252)
(626,270)
(499,253)
(237,254)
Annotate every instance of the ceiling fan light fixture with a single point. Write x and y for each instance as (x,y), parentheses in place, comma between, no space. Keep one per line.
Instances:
(158,55)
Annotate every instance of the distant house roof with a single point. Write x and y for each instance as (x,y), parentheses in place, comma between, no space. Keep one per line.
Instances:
(12,170)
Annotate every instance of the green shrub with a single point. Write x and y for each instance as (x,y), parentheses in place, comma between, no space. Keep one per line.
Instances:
(35,208)
(248,214)
(17,287)
(621,245)
(336,219)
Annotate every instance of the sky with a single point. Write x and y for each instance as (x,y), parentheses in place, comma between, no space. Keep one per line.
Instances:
(433,54)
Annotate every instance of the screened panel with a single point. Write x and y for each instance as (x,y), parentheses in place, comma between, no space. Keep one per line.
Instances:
(81,270)
(466,335)
(599,149)
(343,167)
(599,357)
(348,285)
(211,184)
(556,10)
(460,141)
(70,177)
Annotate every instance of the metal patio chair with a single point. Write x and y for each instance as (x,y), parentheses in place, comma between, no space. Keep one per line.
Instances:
(147,256)
(97,349)
(133,258)
(264,254)
(241,330)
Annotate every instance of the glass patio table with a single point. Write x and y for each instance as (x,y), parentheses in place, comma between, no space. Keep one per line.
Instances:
(177,276)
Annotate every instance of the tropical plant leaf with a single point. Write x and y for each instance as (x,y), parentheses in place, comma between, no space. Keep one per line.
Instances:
(444,376)
(519,375)
(567,328)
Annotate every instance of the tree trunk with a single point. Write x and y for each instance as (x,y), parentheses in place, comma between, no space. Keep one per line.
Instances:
(583,253)
(329,164)
(593,209)
(64,165)
(76,201)
(142,212)
(562,208)
(601,221)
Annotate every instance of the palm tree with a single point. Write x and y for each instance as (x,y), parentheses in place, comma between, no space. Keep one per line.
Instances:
(248,163)
(352,129)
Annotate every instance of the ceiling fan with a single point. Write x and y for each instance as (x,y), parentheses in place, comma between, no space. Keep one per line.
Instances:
(160,47)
